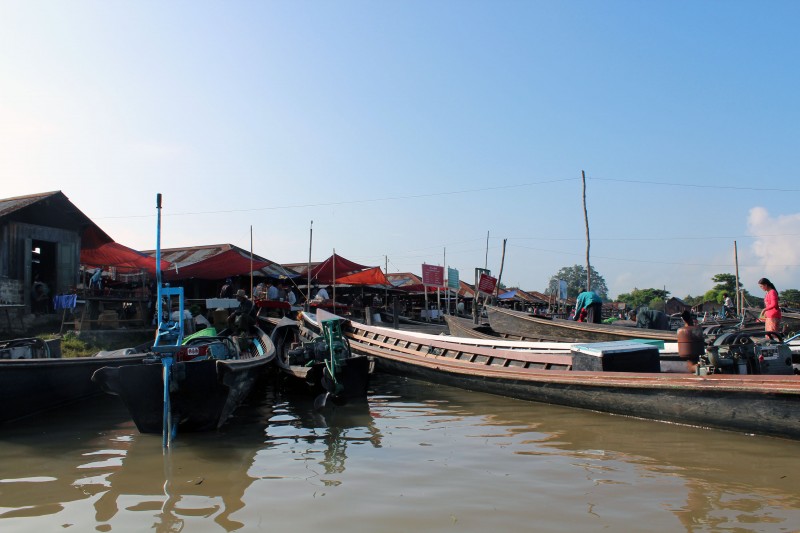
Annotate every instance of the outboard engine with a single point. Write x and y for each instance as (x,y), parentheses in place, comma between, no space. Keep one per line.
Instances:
(746,353)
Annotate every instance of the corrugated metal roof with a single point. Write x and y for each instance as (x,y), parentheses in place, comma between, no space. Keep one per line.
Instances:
(192,254)
(301,268)
(9,205)
(398,279)
(188,255)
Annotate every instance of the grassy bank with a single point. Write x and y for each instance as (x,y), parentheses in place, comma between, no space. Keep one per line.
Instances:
(72,346)
(87,346)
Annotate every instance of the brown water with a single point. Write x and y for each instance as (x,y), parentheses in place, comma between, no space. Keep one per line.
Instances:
(414,457)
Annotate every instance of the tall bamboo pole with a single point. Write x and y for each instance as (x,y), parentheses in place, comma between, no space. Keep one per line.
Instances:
(251,260)
(308,272)
(739,305)
(486,258)
(385,288)
(502,263)
(588,242)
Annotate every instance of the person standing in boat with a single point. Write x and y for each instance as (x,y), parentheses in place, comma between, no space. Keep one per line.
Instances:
(260,291)
(242,318)
(772,311)
(727,305)
(592,303)
(291,297)
(272,291)
(322,294)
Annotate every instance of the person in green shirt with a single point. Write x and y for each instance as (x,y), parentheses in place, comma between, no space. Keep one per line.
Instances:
(592,303)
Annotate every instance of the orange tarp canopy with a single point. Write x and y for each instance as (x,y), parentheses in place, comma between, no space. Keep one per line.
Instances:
(113,254)
(371,276)
(323,272)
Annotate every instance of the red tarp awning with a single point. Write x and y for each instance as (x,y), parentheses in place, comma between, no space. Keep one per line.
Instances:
(371,276)
(97,251)
(116,255)
(323,272)
(226,264)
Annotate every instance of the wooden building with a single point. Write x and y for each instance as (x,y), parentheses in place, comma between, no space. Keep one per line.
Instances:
(41,239)
(676,306)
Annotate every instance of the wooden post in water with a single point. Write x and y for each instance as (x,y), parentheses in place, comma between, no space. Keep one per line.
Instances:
(500,276)
(588,243)
(386,288)
(475,300)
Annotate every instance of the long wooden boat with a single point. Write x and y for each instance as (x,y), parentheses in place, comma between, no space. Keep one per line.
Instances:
(211,376)
(523,324)
(763,404)
(35,383)
(321,360)
(464,327)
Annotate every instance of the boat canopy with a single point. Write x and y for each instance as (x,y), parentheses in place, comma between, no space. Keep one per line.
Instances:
(371,276)
(220,266)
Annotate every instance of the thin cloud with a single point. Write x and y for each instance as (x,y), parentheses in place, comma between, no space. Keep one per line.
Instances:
(774,252)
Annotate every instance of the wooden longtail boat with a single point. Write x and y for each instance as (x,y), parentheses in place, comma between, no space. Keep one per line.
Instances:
(522,324)
(31,381)
(192,383)
(321,361)
(465,327)
(763,404)
(211,376)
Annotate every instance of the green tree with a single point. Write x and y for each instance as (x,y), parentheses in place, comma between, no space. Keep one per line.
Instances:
(790,298)
(693,300)
(652,298)
(725,284)
(575,276)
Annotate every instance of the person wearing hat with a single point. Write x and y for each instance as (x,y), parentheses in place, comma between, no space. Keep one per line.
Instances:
(243,317)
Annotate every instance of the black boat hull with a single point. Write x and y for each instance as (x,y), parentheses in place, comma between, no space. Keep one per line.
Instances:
(31,386)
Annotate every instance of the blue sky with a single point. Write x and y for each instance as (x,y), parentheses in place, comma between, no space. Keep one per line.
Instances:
(409,130)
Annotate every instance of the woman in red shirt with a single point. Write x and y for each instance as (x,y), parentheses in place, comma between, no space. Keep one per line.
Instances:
(771,313)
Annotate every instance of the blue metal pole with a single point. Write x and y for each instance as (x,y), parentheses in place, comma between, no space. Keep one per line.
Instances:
(166,427)
(158,259)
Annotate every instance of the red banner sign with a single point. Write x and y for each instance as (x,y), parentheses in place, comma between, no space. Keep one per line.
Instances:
(433,275)
(487,284)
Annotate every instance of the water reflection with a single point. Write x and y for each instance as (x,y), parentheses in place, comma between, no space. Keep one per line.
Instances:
(729,477)
(416,456)
(44,471)
(335,427)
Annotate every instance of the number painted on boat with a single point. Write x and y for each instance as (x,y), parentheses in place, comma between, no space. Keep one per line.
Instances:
(193,351)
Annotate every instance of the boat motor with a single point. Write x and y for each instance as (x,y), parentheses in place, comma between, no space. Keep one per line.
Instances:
(746,353)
